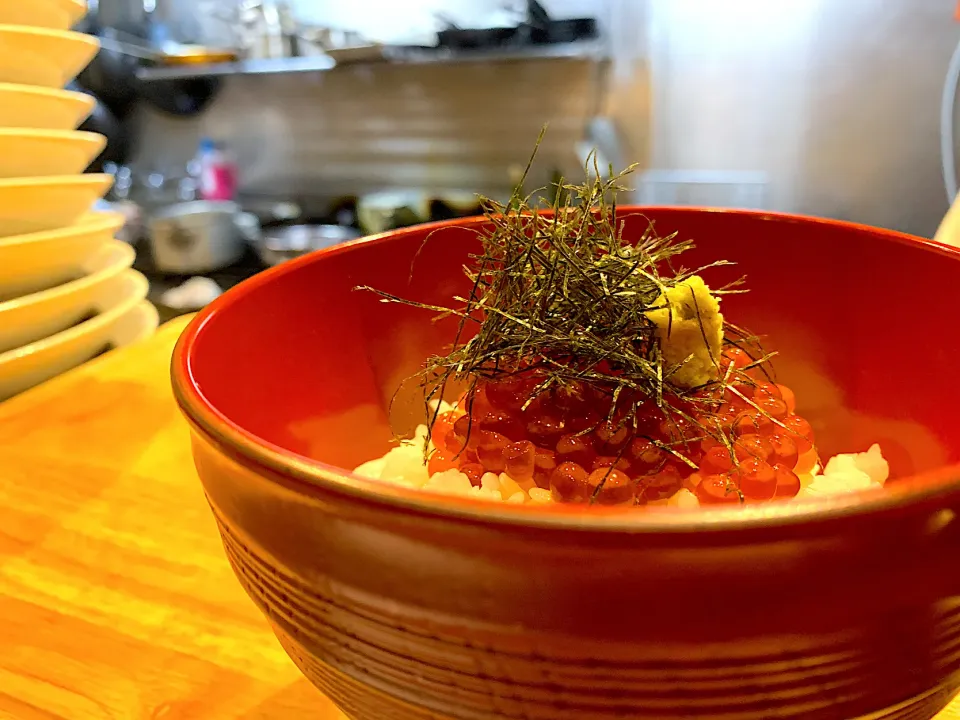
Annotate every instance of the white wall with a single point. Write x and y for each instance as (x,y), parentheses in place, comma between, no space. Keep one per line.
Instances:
(836,100)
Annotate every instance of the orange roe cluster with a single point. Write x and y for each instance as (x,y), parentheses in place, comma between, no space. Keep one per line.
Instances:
(743,438)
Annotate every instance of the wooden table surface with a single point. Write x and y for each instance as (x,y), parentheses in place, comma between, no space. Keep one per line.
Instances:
(116,600)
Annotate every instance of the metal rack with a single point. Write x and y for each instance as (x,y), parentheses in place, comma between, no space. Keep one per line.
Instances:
(591,50)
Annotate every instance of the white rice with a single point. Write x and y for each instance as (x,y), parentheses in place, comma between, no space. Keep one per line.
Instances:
(404,465)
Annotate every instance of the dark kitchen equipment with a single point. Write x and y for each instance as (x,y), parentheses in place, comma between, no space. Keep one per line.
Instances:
(565,31)
(538,29)
(181,96)
(458,39)
(537,15)
(541,29)
(280,244)
(111,75)
(104,122)
(448,209)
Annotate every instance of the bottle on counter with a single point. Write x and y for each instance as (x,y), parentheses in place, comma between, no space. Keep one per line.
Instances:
(218,172)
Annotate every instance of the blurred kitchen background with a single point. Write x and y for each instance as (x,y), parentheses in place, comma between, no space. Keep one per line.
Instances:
(372,114)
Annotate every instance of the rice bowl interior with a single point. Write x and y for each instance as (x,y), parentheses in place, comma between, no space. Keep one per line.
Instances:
(834,348)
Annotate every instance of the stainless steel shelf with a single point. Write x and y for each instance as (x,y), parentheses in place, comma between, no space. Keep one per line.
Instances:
(320,63)
(592,50)
(567,51)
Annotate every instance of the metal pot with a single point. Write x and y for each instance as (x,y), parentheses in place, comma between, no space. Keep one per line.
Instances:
(285,243)
(197,237)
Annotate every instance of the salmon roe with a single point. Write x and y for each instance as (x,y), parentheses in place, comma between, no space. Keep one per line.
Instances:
(563,441)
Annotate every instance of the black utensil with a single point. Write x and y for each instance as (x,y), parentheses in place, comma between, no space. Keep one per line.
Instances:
(104,122)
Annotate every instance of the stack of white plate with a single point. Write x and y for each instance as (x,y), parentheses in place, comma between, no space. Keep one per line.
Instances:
(67,289)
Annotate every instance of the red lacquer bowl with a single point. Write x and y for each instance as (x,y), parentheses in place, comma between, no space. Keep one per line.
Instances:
(400,604)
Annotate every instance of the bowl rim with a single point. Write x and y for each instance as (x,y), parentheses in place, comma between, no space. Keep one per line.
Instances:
(31,30)
(50,134)
(312,476)
(89,224)
(70,96)
(122,256)
(76,9)
(80,104)
(84,180)
(136,293)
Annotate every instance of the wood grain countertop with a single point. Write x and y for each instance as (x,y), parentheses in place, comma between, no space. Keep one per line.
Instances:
(116,600)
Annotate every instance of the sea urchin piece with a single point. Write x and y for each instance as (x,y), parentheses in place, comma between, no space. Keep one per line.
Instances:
(690,332)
